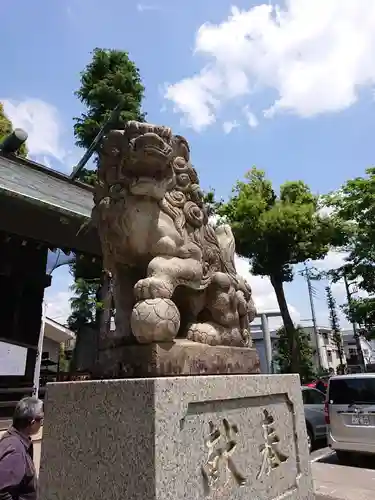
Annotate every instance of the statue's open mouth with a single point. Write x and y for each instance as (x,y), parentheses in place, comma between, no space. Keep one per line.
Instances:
(150,165)
(151,145)
(152,187)
(154,153)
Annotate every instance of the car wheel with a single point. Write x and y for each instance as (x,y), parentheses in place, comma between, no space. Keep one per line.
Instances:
(310,440)
(344,457)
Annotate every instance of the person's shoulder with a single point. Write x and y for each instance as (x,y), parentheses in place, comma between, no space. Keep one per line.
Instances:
(11,443)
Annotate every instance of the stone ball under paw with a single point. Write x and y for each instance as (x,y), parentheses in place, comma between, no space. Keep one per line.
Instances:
(155,320)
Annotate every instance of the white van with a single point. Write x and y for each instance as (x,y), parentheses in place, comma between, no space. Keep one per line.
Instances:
(350,415)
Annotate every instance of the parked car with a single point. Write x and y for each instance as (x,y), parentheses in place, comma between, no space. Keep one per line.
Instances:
(315,384)
(350,415)
(313,402)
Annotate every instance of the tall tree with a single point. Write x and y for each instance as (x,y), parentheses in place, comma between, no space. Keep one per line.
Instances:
(284,357)
(362,313)
(354,204)
(110,79)
(277,231)
(6,128)
(335,325)
(82,304)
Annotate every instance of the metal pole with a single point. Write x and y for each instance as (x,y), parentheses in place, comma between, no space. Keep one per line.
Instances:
(85,158)
(36,381)
(267,342)
(313,316)
(357,339)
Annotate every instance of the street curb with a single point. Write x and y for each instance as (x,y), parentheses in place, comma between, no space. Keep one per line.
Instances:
(322,496)
(318,496)
(322,456)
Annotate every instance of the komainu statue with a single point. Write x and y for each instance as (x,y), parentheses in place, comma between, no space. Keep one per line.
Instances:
(173,272)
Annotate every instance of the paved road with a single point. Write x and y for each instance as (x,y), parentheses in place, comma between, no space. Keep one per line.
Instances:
(327,456)
(333,481)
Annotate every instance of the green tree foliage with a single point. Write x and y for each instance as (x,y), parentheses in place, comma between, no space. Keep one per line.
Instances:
(362,312)
(277,231)
(354,204)
(284,357)
(63,361)
(6,128)
(210,202)
(83,304)
(109,79)
(5,124)
(335,324)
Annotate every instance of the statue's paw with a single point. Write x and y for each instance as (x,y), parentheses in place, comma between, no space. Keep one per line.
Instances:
(204,333)
(214,334)
(152,288)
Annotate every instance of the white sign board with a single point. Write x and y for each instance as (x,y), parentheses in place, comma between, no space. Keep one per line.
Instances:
(12,359)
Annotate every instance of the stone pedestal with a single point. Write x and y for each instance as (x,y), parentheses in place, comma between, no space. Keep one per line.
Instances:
(180,357)
(238,437)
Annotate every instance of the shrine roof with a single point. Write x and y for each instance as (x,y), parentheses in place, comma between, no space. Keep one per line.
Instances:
(40,185)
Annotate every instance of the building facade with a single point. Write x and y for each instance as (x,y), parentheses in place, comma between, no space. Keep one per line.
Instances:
(325,352)
(351,351)
(40,209)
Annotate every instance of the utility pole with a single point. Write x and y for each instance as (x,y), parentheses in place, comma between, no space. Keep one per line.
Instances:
(357,339)
(313,316)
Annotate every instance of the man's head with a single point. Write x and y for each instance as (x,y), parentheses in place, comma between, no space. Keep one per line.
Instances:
(28,416)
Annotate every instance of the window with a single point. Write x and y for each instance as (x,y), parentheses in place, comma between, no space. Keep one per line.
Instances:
(352,351)
(329,355)
(352,390)
(312,397)
(365,352)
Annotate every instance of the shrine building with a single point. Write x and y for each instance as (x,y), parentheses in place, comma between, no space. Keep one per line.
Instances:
(40,209)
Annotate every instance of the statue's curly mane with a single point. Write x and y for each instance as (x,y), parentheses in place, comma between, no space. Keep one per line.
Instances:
(185,205)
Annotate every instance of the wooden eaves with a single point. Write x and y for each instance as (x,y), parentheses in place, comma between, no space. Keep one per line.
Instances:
(42,204)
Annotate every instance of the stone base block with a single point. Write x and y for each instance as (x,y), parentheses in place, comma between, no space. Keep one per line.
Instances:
(181,357)
(239,437)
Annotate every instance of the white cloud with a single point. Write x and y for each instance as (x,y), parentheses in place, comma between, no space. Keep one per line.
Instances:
(229,126)
(58,305)
(316,55)
(58,294)
(333,260)
(195,99)
(41,122)
(263,293)
(251,119)
(145,8)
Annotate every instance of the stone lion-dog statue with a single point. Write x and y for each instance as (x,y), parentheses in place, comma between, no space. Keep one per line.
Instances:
(173,271)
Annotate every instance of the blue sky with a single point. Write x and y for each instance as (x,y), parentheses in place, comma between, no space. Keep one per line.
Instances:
(287,88)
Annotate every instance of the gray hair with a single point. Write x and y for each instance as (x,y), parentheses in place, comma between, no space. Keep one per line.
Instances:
(26,411)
